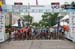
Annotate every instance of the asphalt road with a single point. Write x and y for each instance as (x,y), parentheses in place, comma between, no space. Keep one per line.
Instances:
(38,44)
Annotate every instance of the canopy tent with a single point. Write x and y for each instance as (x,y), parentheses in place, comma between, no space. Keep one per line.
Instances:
(16,25)
(55,25)
(61,24)
(65,17)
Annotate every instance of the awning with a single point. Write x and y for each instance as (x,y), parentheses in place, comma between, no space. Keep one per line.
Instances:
(61,24)
(65,17)
(16,25)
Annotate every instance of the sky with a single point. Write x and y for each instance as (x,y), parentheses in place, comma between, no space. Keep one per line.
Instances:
(36,16)
(40,2)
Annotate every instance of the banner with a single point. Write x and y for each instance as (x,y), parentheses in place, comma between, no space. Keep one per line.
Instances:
(2,27)
(55,5)
(1,3)
(72,26)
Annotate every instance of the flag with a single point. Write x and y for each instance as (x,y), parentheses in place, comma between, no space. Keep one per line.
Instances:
(1,4)
(0,8)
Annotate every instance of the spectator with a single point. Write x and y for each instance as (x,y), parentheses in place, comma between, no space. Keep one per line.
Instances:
(51,29)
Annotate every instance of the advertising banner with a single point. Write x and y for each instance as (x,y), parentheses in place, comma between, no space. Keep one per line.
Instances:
(2,27)
(72,26)
(1,4)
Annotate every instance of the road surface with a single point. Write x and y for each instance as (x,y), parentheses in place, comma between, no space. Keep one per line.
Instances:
(38,44)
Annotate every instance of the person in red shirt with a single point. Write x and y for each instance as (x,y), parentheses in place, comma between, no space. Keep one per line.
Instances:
(66,28)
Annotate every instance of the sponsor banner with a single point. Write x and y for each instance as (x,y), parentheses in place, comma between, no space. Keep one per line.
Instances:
(55,5)
(72,26)
(32,9)
(2,27)
(69,7)
(1,3)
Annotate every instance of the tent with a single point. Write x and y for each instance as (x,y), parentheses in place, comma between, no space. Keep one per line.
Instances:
(16,25)
(61,24)
(65,17)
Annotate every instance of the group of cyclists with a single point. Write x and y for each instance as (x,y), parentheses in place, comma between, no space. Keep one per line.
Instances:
(30,33)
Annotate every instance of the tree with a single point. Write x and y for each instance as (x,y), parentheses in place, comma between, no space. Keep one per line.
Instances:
(48,19)
(27,18)
(73,3)
(35,24)
(53,18)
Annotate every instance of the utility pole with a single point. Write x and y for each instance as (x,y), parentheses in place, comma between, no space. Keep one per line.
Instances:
(36,2)
(28,8)
(10,15)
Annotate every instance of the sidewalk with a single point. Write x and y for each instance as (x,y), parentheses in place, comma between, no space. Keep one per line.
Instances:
(38,44)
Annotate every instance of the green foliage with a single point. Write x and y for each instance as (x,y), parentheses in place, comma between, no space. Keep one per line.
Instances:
(73,3)
(35,24)
(8,26)
(48,19)
(53,18)
(27,18)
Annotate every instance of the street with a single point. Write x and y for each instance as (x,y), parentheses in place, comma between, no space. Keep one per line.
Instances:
(38,44)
